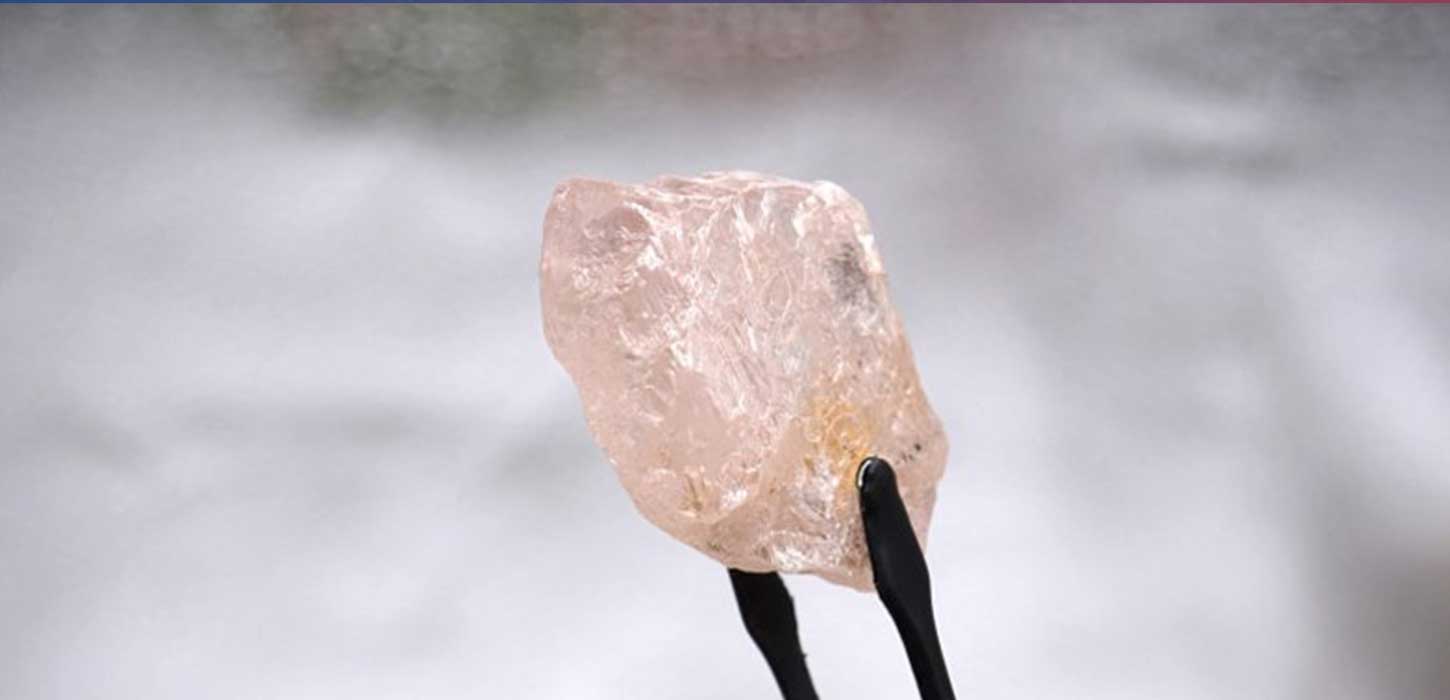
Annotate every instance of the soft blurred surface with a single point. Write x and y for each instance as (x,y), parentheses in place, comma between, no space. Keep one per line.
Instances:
(278,420)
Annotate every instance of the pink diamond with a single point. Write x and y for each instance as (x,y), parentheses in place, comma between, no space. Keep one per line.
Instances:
(738,355)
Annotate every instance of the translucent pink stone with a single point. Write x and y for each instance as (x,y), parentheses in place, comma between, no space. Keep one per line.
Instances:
(737,355)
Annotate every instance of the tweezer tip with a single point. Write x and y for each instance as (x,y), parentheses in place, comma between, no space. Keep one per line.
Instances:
(872,470)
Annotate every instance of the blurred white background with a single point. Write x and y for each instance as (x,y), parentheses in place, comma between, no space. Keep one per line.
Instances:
(278,420)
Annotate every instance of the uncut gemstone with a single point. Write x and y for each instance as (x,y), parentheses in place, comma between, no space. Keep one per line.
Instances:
(737,356)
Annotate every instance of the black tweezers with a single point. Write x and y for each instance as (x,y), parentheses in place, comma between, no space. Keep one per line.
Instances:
(901,580)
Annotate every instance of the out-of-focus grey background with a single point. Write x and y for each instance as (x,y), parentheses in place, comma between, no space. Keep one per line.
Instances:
(277,419)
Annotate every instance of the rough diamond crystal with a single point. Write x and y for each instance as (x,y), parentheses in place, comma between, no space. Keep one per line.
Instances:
(737,356)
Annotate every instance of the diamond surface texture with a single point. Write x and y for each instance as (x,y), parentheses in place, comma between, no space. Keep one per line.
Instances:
(737,356)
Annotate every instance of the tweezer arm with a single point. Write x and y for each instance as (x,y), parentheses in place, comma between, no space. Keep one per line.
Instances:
(769,617)
(901,576)
(902,582)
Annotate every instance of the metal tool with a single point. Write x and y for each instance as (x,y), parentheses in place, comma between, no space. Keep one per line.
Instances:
(902,582)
